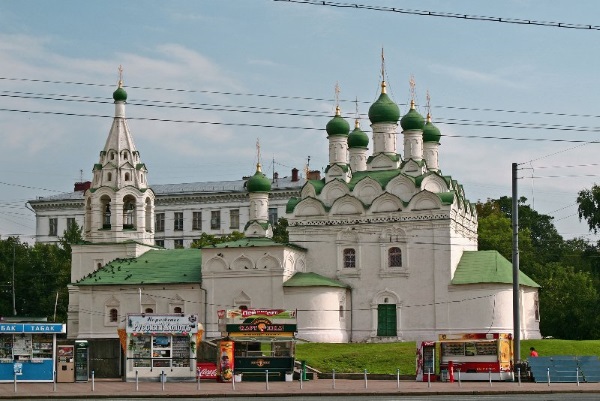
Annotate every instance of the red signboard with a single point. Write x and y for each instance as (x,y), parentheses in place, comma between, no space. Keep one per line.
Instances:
(206,370)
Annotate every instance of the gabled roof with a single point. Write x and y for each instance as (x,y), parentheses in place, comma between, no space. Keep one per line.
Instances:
(312,280)
(153,267)
(487,267)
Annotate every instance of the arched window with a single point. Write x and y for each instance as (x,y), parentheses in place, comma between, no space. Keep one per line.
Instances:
(129,212)
(113,315)
(127,177)
(148,310)
(394,257)
(109,176)
(112,155)
(125,155)
(349,258)
(106,212)
(177,309)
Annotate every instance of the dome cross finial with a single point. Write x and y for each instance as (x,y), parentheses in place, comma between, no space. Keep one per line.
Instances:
(120,76)
(258,167)
(357,120)
(337,99)
(413,85)
(383,85)
(428,106)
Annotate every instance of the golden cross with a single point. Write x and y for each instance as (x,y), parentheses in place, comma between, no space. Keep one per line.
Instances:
(412,87)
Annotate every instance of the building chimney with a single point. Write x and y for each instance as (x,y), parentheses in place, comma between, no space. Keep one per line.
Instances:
(314,175)
(82,186)
(275,176)
(294,174)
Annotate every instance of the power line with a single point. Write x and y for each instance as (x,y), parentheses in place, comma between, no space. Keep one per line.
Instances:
(424,13)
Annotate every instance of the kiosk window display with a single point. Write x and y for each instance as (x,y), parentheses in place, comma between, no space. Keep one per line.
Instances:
(162,343)
(28,351)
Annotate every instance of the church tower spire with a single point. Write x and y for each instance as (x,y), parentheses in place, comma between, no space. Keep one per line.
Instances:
(119,204)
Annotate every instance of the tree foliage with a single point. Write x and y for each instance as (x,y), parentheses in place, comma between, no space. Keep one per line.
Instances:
(209,239)
(280,232)
(568,271)
(589,207)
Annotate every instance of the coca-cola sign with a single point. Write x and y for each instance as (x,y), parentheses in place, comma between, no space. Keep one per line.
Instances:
(206,370)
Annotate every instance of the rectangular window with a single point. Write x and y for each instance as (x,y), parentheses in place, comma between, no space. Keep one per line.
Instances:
(197,221)
(234,219)
(70,222)
(178,221)
(53,226)
(215,220)
(159,242)
(178,243)
(273,215)
(386,320)
(159,224)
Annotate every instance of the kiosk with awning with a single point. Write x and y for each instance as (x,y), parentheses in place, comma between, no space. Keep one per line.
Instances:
(161,346)
(28,350)
(256,341)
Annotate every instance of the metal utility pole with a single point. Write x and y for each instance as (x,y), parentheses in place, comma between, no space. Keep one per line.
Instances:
(13,282)
(515,264)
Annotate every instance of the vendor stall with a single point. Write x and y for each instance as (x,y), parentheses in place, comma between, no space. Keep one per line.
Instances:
(161,347)
(477,356)
(28,351)
(256,341)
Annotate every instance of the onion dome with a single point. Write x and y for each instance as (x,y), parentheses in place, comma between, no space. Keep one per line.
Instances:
(430,132)
(258,182)
(120,95)
(357,138)
(412,120)
(384,110)
(337,126)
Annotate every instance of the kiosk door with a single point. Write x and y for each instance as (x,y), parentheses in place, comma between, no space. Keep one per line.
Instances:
(82,373)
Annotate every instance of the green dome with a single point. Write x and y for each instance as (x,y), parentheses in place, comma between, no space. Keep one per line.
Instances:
(357,138)
(431,133)
(384,110)
(412,120)
(258,182)
(337,126)
(120,95)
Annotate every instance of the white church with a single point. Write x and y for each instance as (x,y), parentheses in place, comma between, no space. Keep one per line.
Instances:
(383,248)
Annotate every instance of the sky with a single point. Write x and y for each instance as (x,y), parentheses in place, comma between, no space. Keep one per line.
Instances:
(207,79)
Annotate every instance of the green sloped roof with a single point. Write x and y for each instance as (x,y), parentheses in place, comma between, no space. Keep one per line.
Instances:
(153,267)
(317,185)
(312,280)
(252,242)
(487,267)
(382,177)
(291,205)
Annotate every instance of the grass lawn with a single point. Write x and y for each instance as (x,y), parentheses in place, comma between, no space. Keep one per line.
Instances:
(387,357)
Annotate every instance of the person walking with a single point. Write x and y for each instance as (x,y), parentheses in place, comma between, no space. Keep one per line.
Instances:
(532,352)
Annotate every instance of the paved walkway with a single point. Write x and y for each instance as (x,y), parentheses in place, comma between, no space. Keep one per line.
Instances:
(320,387)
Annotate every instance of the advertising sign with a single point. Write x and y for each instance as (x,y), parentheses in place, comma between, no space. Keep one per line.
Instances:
(151,323)
(257,321)
(226,361)
(206,370)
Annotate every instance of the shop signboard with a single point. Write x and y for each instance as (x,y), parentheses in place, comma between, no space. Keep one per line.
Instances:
(150,323)
(267,321)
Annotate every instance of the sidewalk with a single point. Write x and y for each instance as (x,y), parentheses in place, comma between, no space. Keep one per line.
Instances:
(320,387)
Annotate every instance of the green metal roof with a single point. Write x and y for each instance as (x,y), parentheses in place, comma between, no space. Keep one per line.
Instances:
(487,267)
(382,177)
(313,280)
(153,267)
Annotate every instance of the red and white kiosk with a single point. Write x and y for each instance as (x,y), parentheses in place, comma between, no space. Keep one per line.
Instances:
(477,356)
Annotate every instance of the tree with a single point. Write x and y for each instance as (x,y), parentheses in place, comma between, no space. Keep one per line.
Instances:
(568,302)
(280,232)
(589,207)
(209,239)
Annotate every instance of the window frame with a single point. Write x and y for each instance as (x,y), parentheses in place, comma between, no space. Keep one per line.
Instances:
(349,258)
(159,222)
(234,219)
(215,220)
(197,221)
(52,226)
(177,221)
